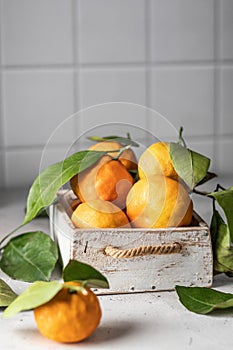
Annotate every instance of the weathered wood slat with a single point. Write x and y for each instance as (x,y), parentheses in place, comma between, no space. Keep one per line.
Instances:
(190,266)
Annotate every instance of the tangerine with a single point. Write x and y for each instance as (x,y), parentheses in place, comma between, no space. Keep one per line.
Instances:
(98,213)
(156,160)
(70,316)
(108,180)
(159,201)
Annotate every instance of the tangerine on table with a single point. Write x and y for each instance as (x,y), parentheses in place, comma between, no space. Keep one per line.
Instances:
(107,179)
(99,214)
(158,201)
(70,316)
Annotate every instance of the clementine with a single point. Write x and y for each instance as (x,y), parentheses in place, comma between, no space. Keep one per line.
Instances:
(70,316)
(98,213)
(108,180)
(159,201)
(156,160)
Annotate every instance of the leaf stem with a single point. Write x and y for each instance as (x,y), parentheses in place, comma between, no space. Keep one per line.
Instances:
(96,138)
(214,205)
(9,234)
(220,187)
(73,288)
(181,139)
(121,151)
(201,193)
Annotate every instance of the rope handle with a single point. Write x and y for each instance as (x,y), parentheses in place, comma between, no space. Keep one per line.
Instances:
(142,250)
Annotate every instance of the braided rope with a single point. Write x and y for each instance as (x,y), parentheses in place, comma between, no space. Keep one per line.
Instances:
(142,250)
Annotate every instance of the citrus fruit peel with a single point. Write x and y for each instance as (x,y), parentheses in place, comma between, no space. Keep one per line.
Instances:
(156,160)
(107,180)
(158,202)
(70,316)
(99,214)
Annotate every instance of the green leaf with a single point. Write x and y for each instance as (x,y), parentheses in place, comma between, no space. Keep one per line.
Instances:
(96,283)
(192,167)
(222,250)
(125,141)
(7,295)
(46,185)
(203,300)
(78,271)
(225,200)
(209,176)
(29,257)
(35,295)
(200,165)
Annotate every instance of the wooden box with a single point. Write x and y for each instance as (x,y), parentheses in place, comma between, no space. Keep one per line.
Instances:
(136,260)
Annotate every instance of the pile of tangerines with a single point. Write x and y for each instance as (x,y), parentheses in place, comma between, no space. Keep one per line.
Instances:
(116,191)
(109,196)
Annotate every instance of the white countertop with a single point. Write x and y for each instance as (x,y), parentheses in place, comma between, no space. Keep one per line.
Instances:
(155,320)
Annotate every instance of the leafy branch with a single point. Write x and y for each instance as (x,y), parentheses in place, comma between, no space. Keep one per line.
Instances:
(32,256)
(193,168)
(40,292)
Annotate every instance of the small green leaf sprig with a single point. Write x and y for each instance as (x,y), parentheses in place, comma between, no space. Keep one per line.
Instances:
(32,256)
(192,168)
(203,300)
(29,257)
(40,292)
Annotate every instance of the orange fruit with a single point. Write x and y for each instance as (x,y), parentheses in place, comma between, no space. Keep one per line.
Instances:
(101,214)
(158,201)
(70,316)
(156,160)
(127,158)
(108,180)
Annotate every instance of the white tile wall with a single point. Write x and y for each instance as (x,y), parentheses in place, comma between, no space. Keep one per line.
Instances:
(115,118)
(59,56)
(225,157)
(181,30)
(1,169)
(226,101)
(35,103)
(112,85)
(36,32)
(111,31)
(226,29)
(23,165)
(184,93)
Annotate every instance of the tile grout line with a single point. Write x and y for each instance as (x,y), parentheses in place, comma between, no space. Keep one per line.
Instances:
(119,65)
(35,147)
(191,138)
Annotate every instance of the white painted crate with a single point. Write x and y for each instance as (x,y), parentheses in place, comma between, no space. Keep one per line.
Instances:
(190,263)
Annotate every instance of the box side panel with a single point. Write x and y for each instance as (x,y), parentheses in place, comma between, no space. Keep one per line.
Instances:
(192,266)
